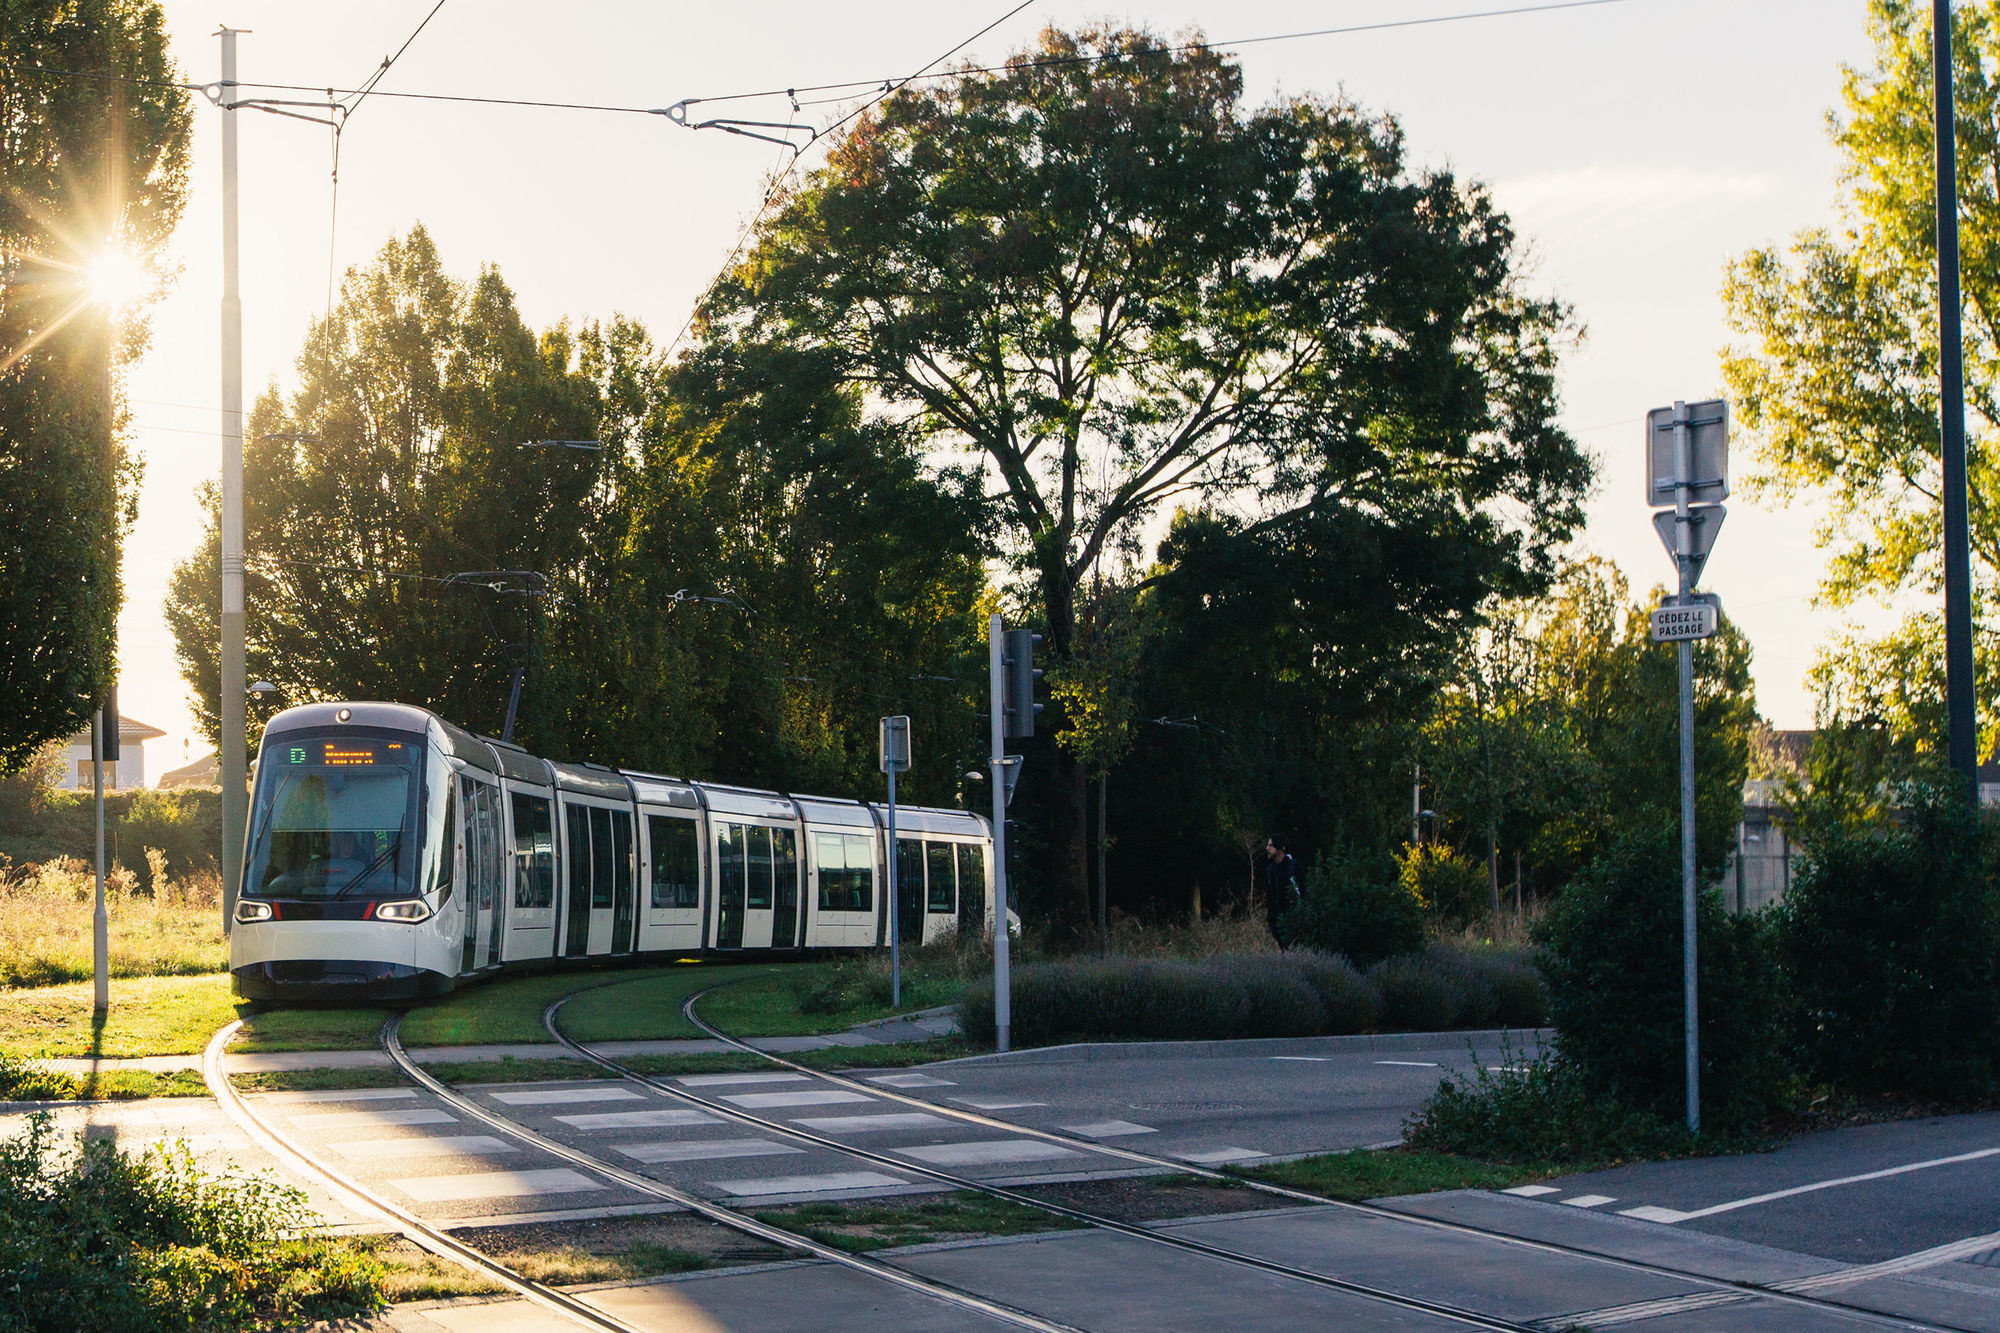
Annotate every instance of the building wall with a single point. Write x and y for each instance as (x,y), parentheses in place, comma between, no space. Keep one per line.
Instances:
(129,771)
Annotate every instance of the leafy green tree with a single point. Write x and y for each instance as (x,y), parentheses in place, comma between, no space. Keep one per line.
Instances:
(1119,290)
(88,166)
(1837,373)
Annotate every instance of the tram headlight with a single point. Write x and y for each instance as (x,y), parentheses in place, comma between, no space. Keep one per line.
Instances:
(247,911)
(414,910)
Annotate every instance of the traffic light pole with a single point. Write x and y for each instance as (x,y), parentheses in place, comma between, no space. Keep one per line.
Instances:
(1003,1000)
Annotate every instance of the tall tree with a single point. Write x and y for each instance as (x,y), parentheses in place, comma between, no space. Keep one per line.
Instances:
(93,168)
(1121,291)
(1837,373)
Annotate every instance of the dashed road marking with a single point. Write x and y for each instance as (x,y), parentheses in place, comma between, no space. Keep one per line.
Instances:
(995,1104)
(1307,1059)
(422,1145)
(565,1096)
(496,1185)
(704,1150)
(989,1153)
(1410,1064)
(1532,1191)
(1648,1213)
(1590,1200)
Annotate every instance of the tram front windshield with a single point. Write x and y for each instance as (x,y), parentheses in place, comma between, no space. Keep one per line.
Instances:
(335,816)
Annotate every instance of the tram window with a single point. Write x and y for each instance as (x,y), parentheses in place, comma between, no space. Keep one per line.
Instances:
(675,861)
(491,856)
(784,859)
(846,872)
(534,852)
(909,867)
(759,854)
(730,863)
(943,891)
(578,820)
(447,841)
(621,854)
(972,870)
(600,857)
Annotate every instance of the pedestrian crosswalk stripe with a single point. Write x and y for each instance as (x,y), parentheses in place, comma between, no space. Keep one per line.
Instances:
(340,1095)
(1109,1129)
(988,1152)
(564,1096)
(424,1115)
(423,1145)
(1217,1156)
(704,1150)
(756,1101)
(495,1185)
(866,1124)
(911,1081)
(1532,1191)
(659,1119)
(995,1103)
(718,1080)
(839,1180)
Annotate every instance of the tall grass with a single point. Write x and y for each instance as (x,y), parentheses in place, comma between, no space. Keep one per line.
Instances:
(46,912)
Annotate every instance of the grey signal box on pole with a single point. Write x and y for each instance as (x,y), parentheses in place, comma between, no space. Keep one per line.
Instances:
(1018,660)
(1708,453)
(895,743)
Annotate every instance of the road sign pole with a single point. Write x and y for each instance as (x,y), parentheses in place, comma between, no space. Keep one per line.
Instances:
(895,906)
(1684,562)
(1003,1000)
(1961,729)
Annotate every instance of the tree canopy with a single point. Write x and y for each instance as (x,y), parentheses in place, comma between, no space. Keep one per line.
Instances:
(1119,292)
(1837,373)
(93,159)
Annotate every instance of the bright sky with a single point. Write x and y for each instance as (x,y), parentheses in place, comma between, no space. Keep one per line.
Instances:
(1638,146)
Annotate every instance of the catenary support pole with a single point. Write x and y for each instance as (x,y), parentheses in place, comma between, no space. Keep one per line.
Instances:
(1684,560)
(231,744)
(1961,734)
(1003,1000)
(100,920)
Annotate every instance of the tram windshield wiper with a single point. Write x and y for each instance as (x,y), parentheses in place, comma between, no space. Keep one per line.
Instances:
(395,845)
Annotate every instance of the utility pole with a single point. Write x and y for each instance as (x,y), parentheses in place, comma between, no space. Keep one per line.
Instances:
(230,743)
(1003,999)
(1961,729)
(895,744)
(1684,535)
(100,920)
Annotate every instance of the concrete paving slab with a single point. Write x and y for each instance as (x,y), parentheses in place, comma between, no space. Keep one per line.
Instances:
(1454,1269)
(805,1298)
(1618,1237)
(1943,1298)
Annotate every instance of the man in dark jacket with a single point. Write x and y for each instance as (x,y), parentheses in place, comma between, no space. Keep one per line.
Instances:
(1280,881)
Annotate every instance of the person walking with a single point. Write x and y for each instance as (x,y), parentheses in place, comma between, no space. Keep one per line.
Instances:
(1280,882)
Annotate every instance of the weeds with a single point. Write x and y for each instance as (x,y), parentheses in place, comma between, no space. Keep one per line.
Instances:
(45,922)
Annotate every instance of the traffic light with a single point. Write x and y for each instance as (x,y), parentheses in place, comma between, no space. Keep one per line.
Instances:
(1018,699)
(107,740)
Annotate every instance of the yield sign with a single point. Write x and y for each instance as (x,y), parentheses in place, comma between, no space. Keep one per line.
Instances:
(1704,522)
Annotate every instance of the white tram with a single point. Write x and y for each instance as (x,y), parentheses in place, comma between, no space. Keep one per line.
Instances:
(390,855)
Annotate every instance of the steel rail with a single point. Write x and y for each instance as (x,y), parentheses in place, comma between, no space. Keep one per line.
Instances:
(963,1300)
(353,1195)
(1775,1293)
(1437,1309)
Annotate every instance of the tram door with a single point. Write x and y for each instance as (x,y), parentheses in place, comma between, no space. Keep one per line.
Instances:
(785,872)
(729,885)
(971,890)
(481,939)
(910,890)
(576,880)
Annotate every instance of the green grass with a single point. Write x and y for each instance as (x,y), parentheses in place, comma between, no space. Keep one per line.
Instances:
(648,1008)
(863,1226)
(769,1007)
(1364,1174)
(148,1016)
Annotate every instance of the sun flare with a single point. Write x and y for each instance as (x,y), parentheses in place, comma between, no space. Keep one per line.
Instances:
(116,279)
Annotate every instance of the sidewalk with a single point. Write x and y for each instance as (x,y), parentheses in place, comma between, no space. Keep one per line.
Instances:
(924,1025)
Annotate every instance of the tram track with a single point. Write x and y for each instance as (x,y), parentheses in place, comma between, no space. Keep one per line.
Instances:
(1718,1287)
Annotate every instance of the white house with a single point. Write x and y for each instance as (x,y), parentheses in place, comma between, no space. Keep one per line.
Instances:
(129,771)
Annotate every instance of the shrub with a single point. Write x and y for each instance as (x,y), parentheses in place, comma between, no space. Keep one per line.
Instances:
(1450,888)
(27,1081)
(1516,987)
(96,1238)
(1612,966)
(1080,1001)
(1354,906)
(1417,994)
(1889,938)
(1281,1003)
(1538,1110)
(1350,1001)
(1466,975)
